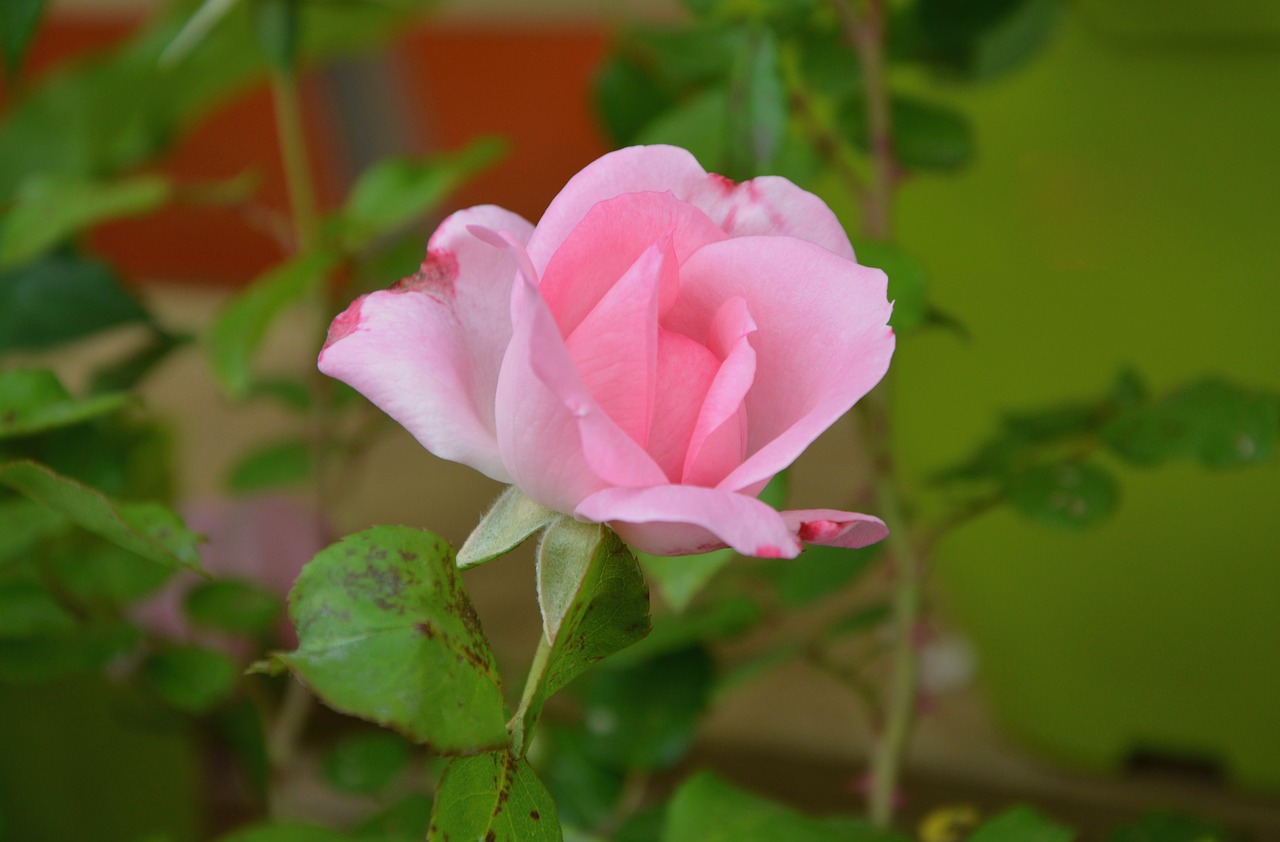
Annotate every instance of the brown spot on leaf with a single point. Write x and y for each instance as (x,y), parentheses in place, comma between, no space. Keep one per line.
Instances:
(533,814)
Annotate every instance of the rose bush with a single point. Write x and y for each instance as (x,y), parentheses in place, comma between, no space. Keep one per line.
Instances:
(648,356)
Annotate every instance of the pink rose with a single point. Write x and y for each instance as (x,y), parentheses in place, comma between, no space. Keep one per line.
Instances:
(649,356)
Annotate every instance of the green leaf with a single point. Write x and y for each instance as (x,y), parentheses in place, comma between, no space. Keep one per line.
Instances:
(33,400)
(148,529)
(1021,824)
(757,116)
(698,124)
(48,210)
(28,609)
(387,632)
(397,191)
(366,763)
(585,793)
(239,725)
(720,620)
(276,23)
(627,98)
(18,22)
(240,327)
(273,465)
(284,831)
(86,648)
(125,374)
(680,578)
(980,39)
(95,572)
(907,282)
(191,678)
(1218,423)
(706,809)
(861,620)
(1064,494)
(510,520)
(643,717)
(926,135)
(496,798)
(237,606)
(821,572)
(195,30)
(22,523)
(60,298)
(1160,826)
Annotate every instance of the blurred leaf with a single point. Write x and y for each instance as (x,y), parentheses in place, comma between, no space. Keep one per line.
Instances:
(22,523)
(757,114)
(821,572)
(240,725)
(191,678)
(1065,494)
(387,632)
(95,572)
(926,136)
(291,393)
(273,465)
(862,619)
(197,27)
(32,400)
(406,819)
(276,24)
(980,39)
(680,578)
(496,798)
(397,191)
(1216,422)
(643,717)
(366,763)
(720,620)
(510,521)
(1021,824)
(1169,827)
(707,809)
(60,298)
(237,606)
(240,327)
(148,529)
(284,831)
(27,609)
(698,124)
(775,493)
(48,210)
(594,602)
(19,20)
(125,374)
(86,648)
(627,98)
(907,282)
(585,793)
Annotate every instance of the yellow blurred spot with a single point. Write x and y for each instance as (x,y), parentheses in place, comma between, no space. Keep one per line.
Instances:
(948,824)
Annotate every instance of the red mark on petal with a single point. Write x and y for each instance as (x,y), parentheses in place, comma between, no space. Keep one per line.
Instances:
(344,324)
(435,277)
(819,530)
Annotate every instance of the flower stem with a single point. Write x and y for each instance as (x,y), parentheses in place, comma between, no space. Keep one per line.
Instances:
(291,132)
(520,730)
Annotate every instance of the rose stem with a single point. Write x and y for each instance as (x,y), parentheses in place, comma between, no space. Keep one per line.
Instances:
(865,30)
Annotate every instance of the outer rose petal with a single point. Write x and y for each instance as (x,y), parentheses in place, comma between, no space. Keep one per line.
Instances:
(832,528)
(428,350)
(683,519)
(822,341)
(766,205)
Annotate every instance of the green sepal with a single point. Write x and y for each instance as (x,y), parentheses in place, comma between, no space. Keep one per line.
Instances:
(512,519)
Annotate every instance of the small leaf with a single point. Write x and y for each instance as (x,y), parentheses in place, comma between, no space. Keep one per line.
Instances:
(511,520)
(147,529)
(240,327)
(387,632)
(907,282)
(643,717)
(60,298)
(926,135)
(1065,494)
(698,124)
(191,678)
(1021,824)
(396,191)
(706,809)
(18,22)
(28,609)
(821,572)
(495,798)
(680,578)
(233,605)
(47,211)
(366,763)
(273,465)
(32,401)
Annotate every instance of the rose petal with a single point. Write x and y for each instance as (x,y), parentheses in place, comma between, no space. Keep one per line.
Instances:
(428,351)
(609,240)
(823,339)
(719,435)
(832,528)
(686,370)
(683,519)
(770,205)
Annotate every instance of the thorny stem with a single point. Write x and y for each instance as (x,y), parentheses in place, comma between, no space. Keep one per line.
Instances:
(865,30)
